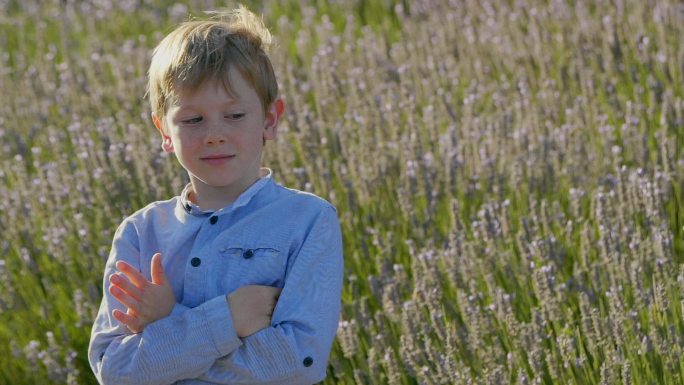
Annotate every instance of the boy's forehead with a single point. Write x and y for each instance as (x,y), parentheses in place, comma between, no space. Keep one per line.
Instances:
(186,93)
(232,82)
(236,87)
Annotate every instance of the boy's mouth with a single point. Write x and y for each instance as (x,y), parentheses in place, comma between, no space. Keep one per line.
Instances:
(217,159)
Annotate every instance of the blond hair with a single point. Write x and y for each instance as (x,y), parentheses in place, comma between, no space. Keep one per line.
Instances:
(200,51)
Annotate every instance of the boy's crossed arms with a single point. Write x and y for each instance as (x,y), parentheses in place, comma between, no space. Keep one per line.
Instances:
(211,337)
(148,301)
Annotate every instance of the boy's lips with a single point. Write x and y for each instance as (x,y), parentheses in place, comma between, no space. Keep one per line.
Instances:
(217,159)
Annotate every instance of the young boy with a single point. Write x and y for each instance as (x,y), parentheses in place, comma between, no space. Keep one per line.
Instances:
(192,286)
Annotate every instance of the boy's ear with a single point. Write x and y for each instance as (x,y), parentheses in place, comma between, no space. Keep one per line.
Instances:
(167,144)
(273,114)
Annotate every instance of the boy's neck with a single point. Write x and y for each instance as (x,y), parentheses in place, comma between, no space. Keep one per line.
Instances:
(215,198)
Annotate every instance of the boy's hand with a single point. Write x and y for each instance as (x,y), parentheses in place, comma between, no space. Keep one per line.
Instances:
(146,301)
(252,307)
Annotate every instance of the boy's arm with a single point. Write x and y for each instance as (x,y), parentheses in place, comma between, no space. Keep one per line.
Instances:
(148,301)
(295,349)
(180,346)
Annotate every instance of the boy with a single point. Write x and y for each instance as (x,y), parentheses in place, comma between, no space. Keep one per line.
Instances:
(192,286)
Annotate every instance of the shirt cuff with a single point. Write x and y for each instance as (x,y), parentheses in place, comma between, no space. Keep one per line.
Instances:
(219,322)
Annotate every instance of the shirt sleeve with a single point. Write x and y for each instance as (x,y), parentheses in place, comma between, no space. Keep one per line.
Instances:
(183,345)
(295,349)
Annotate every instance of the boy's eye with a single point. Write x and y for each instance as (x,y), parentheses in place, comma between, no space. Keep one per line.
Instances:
(236,116)
(192,120)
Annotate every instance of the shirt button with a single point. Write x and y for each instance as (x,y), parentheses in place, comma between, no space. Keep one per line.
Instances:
(248,254)
(308,361)
(187,207)
(195,262)
(213,220)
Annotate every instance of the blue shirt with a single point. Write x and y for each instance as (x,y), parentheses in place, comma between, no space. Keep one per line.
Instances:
(269,235)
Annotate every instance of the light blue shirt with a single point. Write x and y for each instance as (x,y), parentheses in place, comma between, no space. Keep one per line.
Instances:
(269,235)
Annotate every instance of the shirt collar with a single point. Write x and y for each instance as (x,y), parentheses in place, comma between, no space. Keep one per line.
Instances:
(242,199)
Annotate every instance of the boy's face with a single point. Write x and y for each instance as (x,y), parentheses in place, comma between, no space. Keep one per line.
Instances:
(218,137)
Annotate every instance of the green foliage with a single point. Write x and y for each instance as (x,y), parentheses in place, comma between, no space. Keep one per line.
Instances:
(508,176)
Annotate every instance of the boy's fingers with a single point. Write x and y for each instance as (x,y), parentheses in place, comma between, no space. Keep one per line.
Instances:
(132,274)
(128,320)
(123,283)
(124,318)
(124,298)
(157,270)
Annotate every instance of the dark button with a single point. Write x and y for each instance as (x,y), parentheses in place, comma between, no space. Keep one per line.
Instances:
(308,361)
(187,207)
(248,254)
(213,220)
(195,262)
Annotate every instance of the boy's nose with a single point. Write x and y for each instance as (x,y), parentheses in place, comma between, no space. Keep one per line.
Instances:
(215,140)
(215,135)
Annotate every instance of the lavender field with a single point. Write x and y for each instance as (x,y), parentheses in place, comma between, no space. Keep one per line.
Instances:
(509,177)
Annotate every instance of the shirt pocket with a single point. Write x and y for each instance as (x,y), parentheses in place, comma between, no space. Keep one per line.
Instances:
(254,264)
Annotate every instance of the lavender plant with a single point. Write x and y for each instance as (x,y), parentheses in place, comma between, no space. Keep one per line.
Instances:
(508,175)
